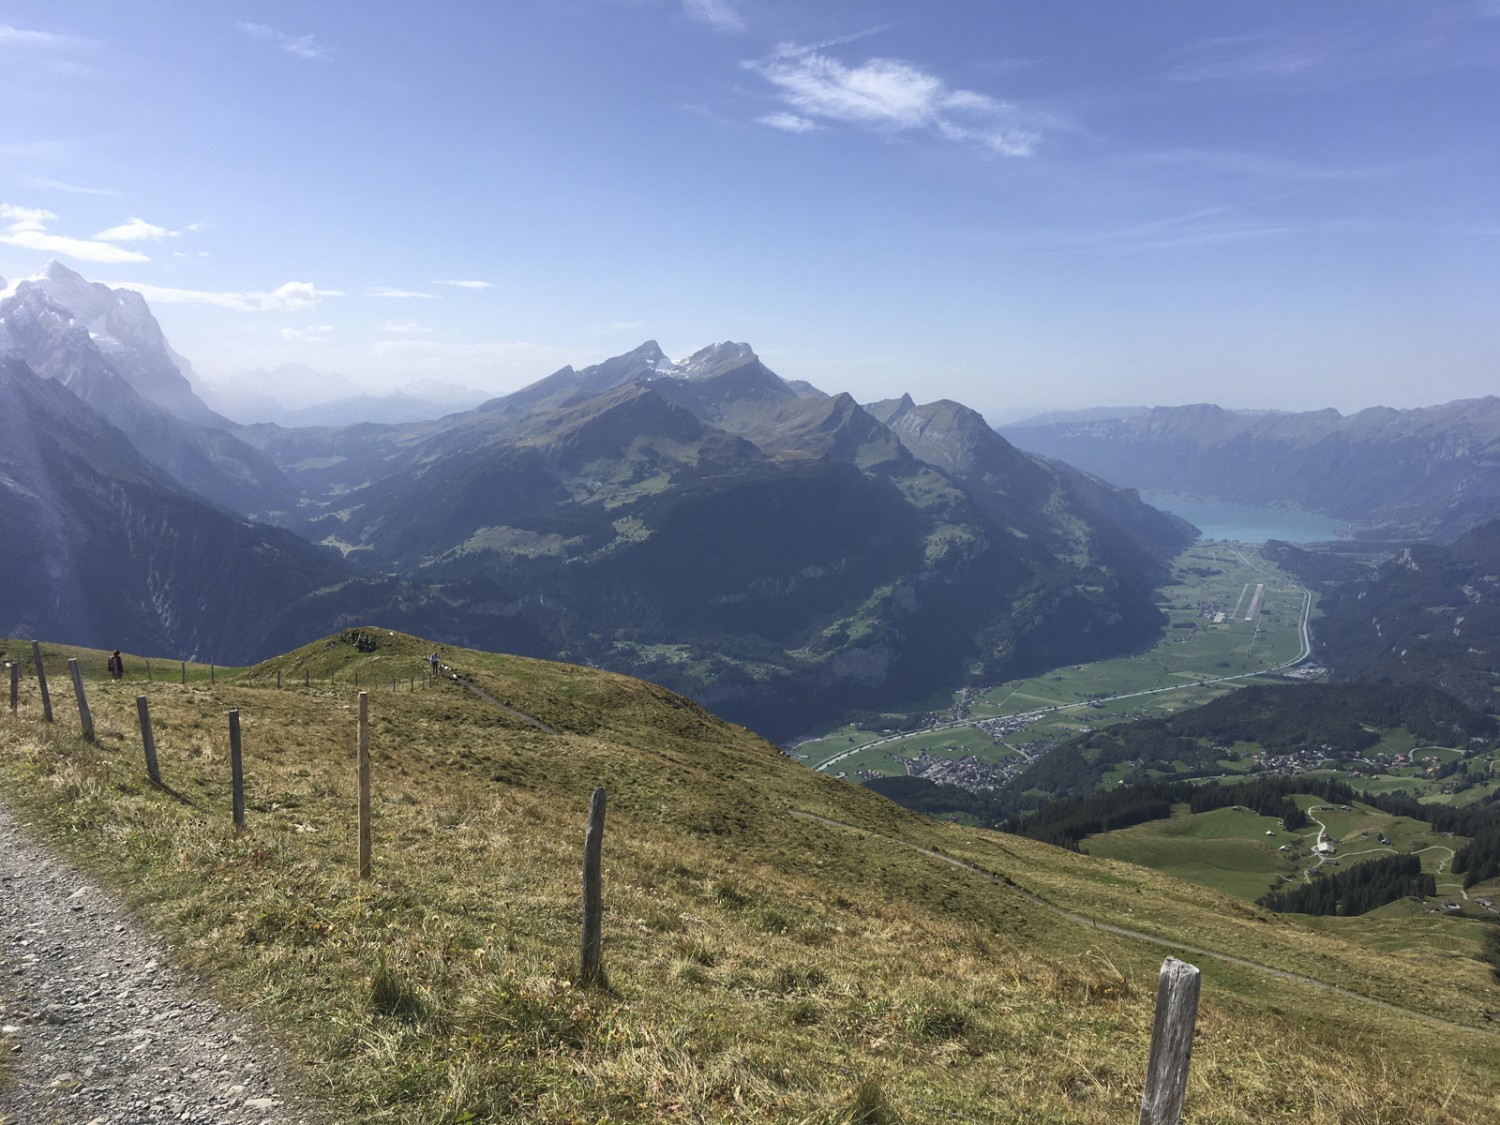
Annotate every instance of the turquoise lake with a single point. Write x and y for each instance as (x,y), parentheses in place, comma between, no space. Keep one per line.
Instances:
(1248,523)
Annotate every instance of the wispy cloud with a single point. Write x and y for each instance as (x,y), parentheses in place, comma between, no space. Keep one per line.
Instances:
(45,40)
(135,230)
(893,96)
(318,335)
(26,227)
(1205,226)
(303,46)
(717,14)
(291,297)
(404,327)
(1427,38)
(789,122)
(398,294)
(1267,167)
(71,189)
(1239,58)
(462,284)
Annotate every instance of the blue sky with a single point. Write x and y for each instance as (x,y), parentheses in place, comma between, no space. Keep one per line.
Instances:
(1018,205)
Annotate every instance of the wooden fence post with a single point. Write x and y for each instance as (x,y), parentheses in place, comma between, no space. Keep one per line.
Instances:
(306,678)
(278,677)
(41,680)
(1171,1043)
(364,785)
(236,769)
(184,673)
(148,740)
(150,679)
(15,685)
(211,678)
(593,889)
(83,704)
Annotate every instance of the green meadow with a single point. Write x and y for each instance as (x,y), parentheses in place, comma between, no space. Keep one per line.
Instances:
(1196,659)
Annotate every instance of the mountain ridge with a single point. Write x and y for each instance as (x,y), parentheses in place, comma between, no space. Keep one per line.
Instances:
(771,548)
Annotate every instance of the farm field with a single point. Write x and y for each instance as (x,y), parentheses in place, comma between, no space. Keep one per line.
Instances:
(1238,852)
(1197,659)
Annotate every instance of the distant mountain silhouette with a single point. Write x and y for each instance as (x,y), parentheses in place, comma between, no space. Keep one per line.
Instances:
(1431,472)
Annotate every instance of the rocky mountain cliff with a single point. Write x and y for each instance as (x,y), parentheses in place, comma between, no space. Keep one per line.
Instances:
(105,346)
(102,546)
(1432,472)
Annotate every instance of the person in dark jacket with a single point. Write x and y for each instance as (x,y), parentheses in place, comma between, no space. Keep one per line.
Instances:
(116,665)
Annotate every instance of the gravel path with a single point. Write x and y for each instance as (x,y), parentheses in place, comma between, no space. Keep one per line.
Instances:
(96,1028)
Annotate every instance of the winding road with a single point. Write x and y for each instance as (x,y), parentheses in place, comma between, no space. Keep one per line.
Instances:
(1304,651)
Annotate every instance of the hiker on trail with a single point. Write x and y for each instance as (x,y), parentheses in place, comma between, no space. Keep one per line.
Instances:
(433,660)
(116,665)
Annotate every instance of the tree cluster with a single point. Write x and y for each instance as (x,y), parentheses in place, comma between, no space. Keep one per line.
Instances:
(1358,890)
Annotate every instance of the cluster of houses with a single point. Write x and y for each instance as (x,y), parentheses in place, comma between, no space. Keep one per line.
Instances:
(967,772)
(1007,725)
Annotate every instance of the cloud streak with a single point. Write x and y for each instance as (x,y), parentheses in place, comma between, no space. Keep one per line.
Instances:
(788,122)
(318,335)
(135,230)
(45,40)
(717,14)
(302,46)
(26,227)
(294,296)
(398,294)
(71,189)
(891,96)
(464,284)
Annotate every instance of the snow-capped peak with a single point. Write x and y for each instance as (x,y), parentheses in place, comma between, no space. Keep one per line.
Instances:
(119,328)
(713,360)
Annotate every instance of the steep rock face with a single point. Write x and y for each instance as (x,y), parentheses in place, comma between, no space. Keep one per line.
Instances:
(106,348)
(120,326)
(1428,472)
(105,548)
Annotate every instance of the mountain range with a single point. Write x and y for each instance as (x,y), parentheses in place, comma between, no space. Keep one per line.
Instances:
(777,552)
(1423,473)
(295,394)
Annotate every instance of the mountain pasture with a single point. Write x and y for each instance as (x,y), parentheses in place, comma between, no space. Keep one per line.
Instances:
(778,945)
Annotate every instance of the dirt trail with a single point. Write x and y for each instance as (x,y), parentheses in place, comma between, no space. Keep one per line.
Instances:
(97,1028)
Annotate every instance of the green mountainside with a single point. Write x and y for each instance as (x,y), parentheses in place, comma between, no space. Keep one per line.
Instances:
(775,552)
(771,550)
(1430,615)
(779,945)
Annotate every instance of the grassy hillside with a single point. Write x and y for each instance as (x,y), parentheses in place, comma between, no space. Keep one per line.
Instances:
(780,945)
(1240,853)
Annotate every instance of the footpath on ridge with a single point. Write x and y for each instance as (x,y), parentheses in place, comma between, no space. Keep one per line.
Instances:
(97,1028)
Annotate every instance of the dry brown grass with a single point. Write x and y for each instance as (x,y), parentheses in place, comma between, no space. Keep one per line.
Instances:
(761,966)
